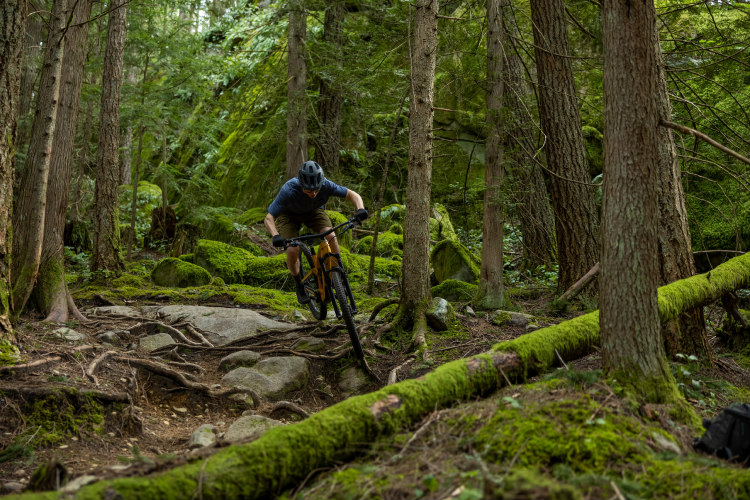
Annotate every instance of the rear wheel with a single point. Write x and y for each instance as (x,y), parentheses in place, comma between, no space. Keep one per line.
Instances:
(317,307)
(345,302)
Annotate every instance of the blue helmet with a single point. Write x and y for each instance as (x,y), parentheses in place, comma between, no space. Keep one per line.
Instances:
(310,176)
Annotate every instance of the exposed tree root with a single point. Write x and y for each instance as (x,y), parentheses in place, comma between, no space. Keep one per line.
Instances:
(393,375)
(44,392)
(376,310)
(29,367)
(288,405)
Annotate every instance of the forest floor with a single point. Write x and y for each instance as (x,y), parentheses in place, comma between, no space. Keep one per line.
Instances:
(120,412)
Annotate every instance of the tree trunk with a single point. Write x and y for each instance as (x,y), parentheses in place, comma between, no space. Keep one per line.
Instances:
(12,27)
(576,225)
(629,317)
(106,228)
(416,263)
(296,117)
(29,215)
(31,64)
(686,335)
(491,292)
(50,291)
(330,101)
(531,198)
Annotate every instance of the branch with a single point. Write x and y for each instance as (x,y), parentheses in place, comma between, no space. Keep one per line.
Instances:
(706,138)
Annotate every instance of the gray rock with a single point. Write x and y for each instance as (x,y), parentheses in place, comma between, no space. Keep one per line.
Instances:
(78,483)
(221,325)
(510,318)
(352,381)
(309,344)
(11,487)
(239,358)
(127,311)
(68,334)
(203,436)
(470,312)
(249,426)
(110,336)
(440,314)
(271,378)
(154,342)
(298,316)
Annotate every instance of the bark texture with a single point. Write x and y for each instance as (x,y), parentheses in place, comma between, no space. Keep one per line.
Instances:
(630,328)
(106,229)
(12,29)
(296,115)
(576,225)
(50,292)
(416,263)
(29,214)
(330,102)
(491,292)
(687,334)
(529,191)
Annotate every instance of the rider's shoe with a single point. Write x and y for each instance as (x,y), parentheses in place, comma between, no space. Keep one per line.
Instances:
(302,296)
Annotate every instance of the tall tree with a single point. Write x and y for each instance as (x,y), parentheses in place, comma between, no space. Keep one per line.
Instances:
(528,189)
(491,292)
(29,214)
(50,292)
(416,262)
(12,28)
(328,142)
(576,225)
(296,116)
(629,317)
(687,334)
(106,229)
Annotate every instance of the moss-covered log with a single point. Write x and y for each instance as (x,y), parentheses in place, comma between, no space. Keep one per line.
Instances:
(285,455)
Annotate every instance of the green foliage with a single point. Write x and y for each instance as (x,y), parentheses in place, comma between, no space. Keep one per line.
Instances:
(455,290)
(148,198)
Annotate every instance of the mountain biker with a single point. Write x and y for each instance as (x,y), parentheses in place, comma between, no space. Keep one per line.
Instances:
(300,201)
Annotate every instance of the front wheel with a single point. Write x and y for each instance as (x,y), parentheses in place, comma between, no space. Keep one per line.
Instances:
(317,307)
(343,297)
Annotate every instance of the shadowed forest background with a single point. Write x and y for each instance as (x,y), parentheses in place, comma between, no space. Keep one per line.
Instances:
(552,285)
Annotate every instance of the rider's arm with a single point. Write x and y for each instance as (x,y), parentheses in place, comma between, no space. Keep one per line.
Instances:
(355,198)
(270,223)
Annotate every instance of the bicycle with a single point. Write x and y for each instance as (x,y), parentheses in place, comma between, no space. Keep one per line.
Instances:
(325,281)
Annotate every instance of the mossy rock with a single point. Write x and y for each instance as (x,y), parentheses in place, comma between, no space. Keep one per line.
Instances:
(178,273)
(389,245)
(228,262)
(218,224)
(455,290)
(451,260)
(238,266)
(345,240)
(445,229)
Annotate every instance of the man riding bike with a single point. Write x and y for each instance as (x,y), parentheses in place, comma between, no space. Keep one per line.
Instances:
(301,201)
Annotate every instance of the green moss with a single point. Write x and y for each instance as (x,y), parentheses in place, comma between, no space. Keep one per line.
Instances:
(9,353)
(56,418)
(173,272)
(345,240)
(445,229)
(451,260)
(455,290)
(389,245)
(188,257)
(228,262)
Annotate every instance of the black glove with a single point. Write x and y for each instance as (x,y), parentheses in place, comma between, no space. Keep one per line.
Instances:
(361,215)
(278,240)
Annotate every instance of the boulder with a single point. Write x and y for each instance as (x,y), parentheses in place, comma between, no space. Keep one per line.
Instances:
(445,229)
(389,245)
(154,342)
(455,290)
(309,344)
(451,260)
(271,378)
(236,265)
(221,325)
(440,314)
(68,334)
(179,273)
(239,358)
(352,381)
(249,426)
(203,436)
(510,318)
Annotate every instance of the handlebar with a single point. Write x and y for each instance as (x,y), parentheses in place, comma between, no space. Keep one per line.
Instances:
(350,223)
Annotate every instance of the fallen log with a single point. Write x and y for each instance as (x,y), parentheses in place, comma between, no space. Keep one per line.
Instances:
(284,456)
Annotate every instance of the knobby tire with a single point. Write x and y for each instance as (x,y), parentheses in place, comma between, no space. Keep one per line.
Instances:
(342,299)
(318,308)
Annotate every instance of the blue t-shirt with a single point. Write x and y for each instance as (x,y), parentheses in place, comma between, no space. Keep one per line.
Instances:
(292,201)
